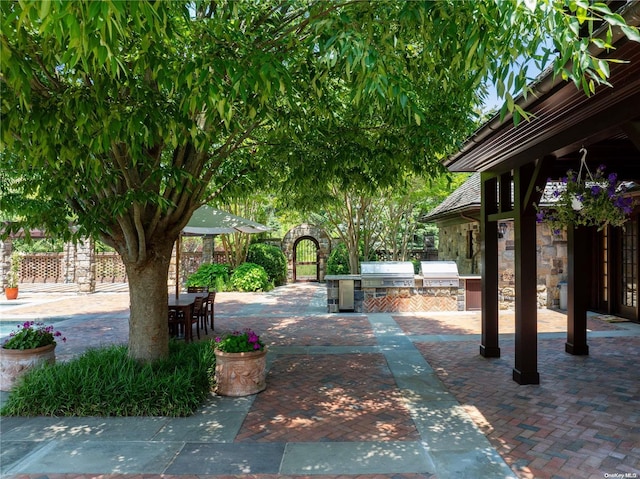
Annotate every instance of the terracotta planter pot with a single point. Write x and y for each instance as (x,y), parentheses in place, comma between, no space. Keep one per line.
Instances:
(16,362)
(240,374)
(11,293)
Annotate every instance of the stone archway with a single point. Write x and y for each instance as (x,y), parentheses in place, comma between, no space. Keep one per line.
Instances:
(306,232)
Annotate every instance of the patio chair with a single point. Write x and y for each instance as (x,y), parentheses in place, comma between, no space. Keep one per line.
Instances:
(199,315)
(197,289)
(209,307)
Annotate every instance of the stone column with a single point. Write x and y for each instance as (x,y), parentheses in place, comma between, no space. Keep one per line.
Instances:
(68,263)
(86,265)
(207,249)
(6,247)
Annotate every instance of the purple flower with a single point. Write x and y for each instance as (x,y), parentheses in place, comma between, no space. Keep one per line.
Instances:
(564,180)
(540,216)
(612,178)
(595,190)
(624,204)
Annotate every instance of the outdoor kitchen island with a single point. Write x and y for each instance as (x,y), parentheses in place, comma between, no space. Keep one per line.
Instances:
(393,286)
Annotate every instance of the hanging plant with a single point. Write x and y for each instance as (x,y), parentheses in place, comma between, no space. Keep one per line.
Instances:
(585,199)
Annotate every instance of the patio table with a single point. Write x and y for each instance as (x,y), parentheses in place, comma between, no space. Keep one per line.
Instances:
(183,305)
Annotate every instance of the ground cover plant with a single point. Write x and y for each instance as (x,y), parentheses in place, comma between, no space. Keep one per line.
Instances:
(106,382)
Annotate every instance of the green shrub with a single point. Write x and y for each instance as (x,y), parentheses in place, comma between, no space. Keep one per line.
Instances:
(416,265)
(338,261)
(106,382)
(250,277)
(272,259)
(215,276)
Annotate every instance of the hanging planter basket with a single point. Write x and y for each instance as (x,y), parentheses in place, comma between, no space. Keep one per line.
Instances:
(586,199)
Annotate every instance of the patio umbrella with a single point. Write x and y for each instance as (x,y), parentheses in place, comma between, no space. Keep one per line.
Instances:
(211,221)
(207,221)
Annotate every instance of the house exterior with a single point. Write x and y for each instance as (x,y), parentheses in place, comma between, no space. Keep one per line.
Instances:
(458,221)
(603,266)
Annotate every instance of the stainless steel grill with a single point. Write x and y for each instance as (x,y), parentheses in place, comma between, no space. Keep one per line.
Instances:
(386,274)
(439,273)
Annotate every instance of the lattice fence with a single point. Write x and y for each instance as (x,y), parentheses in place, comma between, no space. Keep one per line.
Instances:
(110,268)
(42,268)
(50,267)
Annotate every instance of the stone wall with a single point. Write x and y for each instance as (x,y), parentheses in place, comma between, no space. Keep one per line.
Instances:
(551,260)
(454,245)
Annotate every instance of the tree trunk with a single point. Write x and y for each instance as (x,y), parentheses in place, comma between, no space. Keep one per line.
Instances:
(354,260)
(148,292)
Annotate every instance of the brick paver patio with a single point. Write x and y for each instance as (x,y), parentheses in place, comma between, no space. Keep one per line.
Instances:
(582,421)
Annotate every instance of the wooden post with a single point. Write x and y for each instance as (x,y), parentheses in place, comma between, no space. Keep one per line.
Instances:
(577,291)
(489,347)
(526,301)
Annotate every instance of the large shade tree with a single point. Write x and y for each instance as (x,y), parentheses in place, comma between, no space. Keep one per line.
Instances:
(123,117)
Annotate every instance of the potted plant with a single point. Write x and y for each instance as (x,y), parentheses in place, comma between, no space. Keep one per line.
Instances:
(13,276)
(241,364)
(32,344)
(592,200)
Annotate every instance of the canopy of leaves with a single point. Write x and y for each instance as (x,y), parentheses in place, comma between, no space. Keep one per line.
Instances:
(119,115)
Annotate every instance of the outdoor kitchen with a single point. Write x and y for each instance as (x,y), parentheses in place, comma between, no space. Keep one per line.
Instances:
(393,286)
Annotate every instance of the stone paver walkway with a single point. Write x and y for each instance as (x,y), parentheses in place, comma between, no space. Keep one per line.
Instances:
(400,396)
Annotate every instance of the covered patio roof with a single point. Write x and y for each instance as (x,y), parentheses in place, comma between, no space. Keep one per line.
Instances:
(515,163)
(564,119)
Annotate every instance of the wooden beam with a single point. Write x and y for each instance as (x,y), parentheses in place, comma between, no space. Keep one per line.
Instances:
(632,129)
(542,169)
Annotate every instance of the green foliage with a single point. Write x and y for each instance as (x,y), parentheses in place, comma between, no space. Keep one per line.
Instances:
(416,266)
(212,275)
(239,342)
(250,277)
(272,259)
(338,261)
(13,275)
(106,382)
(38,246)
(31,335)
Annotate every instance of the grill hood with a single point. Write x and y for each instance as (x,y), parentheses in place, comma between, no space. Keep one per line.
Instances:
(387,274)
(439,273)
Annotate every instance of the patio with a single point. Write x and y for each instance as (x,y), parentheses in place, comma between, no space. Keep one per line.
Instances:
(337,381)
